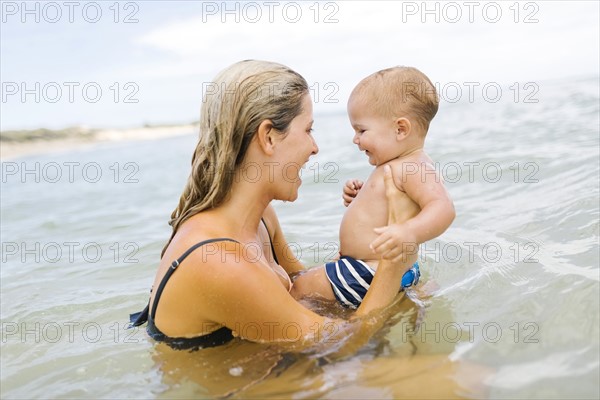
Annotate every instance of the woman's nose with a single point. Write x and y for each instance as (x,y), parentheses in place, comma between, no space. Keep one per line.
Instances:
(315,147)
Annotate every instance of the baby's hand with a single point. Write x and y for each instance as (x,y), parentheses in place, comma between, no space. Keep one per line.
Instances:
(395,242)
(351,189)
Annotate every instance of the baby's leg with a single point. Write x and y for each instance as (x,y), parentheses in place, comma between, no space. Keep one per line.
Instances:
(313,282)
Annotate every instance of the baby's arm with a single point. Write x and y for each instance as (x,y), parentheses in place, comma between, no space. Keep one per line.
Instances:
(426,188)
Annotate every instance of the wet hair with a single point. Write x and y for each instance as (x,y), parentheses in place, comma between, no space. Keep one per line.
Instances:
(234,105)
(400,90)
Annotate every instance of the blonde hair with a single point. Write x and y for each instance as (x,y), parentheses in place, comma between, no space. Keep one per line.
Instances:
(234,104)
(393,91)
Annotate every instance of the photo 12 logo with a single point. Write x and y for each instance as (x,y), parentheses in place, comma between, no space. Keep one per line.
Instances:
(52,12)
(489,92)
(453,332)
(68,172)
(319,92)
(71,92)
(69,332)
(69,252)
(270,11)
(452,12)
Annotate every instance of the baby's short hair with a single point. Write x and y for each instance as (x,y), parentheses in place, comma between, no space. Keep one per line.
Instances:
(398,90)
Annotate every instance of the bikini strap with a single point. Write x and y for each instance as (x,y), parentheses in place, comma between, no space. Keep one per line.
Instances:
(270,241)
(174,266)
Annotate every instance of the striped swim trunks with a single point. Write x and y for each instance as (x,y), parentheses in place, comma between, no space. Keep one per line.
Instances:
(350,279)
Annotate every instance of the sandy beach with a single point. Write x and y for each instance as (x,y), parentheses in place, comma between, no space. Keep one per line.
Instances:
(15,144)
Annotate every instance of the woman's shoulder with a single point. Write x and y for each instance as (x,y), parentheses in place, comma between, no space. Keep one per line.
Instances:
(203,261)
(197,232)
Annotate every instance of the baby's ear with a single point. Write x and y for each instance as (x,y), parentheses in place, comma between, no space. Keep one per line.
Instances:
(265,136)
(403,127)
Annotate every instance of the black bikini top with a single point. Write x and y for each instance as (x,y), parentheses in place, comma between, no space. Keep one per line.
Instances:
(215,338)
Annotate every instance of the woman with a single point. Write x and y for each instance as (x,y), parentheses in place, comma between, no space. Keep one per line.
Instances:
(225,271)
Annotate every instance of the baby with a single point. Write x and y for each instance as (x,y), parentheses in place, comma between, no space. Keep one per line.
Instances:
(390,112)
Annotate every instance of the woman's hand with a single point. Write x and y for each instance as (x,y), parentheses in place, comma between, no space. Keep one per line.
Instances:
(386,282)
(351,189)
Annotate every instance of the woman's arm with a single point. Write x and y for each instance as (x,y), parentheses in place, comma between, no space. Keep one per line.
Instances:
(258,308)
(387,271)
(434,214)
(245,296)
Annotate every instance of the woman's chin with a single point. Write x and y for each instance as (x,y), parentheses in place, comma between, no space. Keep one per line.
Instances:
(292,195)
(285,199)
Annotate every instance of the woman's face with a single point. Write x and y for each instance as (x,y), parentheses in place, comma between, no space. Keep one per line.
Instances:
(295,150)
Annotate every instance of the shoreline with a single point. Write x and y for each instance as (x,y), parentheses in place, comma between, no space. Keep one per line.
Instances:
(17,144)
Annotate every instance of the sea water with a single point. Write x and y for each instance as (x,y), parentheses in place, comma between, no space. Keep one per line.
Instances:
(514,283)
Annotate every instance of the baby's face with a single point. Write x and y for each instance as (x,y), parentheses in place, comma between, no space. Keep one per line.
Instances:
(373,134)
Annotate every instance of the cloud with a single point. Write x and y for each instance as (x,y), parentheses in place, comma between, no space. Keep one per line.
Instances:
(171,52)
(372,35)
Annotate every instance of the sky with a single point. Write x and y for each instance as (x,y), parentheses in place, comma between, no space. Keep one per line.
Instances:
(109,64)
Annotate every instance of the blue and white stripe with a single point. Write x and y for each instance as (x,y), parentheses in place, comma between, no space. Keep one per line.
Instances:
(350,279)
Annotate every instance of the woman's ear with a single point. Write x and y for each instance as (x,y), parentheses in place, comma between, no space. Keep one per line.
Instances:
(265,137)
(403,128)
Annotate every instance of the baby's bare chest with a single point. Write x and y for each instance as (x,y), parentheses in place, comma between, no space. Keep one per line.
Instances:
(369,208)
